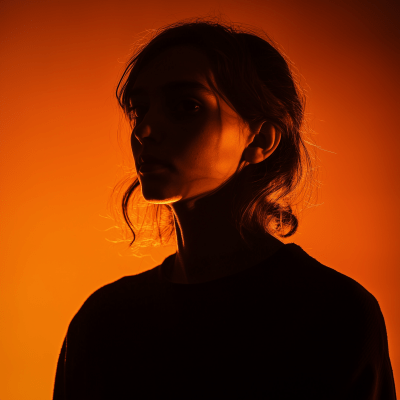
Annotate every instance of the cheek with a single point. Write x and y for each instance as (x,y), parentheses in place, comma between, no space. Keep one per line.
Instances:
(229,158)
(228,149)
(200,151)
(213,154)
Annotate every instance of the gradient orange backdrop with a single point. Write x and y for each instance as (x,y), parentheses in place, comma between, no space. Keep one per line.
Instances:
(60,62)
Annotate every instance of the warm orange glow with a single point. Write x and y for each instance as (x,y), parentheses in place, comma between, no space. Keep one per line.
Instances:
(60,64)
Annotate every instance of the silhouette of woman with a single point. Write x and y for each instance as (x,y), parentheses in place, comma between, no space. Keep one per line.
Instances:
(217,141)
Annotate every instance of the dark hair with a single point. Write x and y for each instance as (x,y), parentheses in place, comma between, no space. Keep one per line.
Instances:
(255,78)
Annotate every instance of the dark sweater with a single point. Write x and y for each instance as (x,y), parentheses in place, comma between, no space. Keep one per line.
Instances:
(287,328)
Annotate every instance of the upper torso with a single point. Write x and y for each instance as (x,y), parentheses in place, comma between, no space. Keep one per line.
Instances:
(282,329)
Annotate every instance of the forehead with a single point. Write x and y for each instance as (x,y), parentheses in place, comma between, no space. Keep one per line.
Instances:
(176,63)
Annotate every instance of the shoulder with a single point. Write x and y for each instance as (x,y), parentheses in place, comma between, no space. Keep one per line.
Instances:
(324,289)
(306,269)
(128,292)
(333,299)
(343,313)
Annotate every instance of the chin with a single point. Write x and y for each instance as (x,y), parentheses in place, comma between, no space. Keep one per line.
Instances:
(155,197)
(164,201)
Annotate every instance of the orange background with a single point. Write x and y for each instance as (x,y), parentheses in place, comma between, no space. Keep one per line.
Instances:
(60,62)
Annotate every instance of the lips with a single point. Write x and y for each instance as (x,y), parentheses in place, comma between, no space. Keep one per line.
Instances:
(151,167)
(149,163)
(149,159)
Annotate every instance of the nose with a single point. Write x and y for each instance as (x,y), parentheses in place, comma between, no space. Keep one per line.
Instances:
(141,132)
(150,126)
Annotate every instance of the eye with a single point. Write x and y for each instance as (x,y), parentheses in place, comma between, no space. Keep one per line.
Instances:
(188,106)
(136,113)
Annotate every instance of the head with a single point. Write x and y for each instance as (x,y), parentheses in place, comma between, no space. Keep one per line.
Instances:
(216,104)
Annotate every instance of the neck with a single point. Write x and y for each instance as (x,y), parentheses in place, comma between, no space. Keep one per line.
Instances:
(208,244)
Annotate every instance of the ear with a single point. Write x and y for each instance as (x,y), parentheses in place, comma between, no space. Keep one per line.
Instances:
(264,139)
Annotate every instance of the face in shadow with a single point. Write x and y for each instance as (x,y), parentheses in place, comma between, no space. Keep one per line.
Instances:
(182,121)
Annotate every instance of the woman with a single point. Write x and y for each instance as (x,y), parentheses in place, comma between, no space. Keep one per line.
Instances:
(217,140)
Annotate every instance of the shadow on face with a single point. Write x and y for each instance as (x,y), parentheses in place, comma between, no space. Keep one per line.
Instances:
(180,120)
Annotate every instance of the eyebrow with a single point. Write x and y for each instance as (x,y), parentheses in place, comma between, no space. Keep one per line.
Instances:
(173,86)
